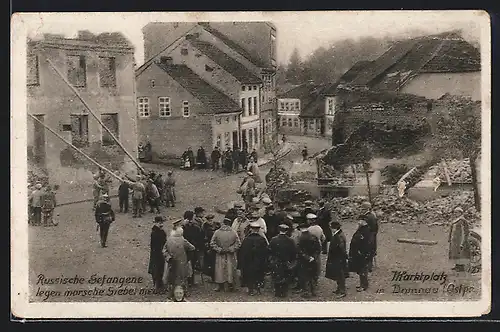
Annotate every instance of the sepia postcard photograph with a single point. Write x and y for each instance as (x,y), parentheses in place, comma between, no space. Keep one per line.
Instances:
(250,164)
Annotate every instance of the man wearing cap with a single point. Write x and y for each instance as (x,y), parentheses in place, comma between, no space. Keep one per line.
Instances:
(336,263)
(225,243)
(153,196)
(317,232)
(175,252)
(458,239)
(240,223)
(255,216)
(309,251)
(104,216)
(282,259)
(194,234)
(371,220)
(253,259)
(169,190)
(324,219)
(156,260)
(49,204)
(36,199)
(209,227)
(361,253)
(138,193)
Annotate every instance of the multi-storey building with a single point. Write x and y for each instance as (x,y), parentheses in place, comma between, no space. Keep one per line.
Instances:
(101,68)
(218,54)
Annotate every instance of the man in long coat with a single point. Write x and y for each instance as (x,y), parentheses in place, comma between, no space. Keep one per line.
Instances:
(169,190)
(225,243)
(215,158)
(228,160)
(156,260)
(236,159)
(209,227)
(253,259)
(194,234)
(282,258)
(324,220)
(104,216)
(458,239)
(371,220)
(201,158)
(271,222)
(336,263)
(361,253)
(309,249)
(175,251)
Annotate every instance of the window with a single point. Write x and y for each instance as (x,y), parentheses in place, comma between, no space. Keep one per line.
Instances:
(227,119)
(152,83)
(77,70)
(297,105)
(273,47)
(185,109)
(290,124)
(311,124)
(111,122)
(244,106)
(243,88)
(227,138)
(250,137)
(164,106)
(283,122)
(80,130)
(143,107)
(295,122)
(208,68)
(107,72)
(218,120)
(330,106)
(282,105)
(256,136)
(235,118)
(184,51)
(254,105)
(249,105)
(219,140)
(255,87)
(287,106)
(33,75)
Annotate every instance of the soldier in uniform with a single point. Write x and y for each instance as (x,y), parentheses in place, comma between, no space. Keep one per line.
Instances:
(49,204)
(361,253)
(170,190)
(253,259)
(324,220)
(371,220)
(104,216)
(156,260)
(283,255)
(215,158)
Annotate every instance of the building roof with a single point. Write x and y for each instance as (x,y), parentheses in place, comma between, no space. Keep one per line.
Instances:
(354,71)
(215,101)
(447,52)
(236,69)
(315,108)
(302,92)
(85,39)
(232,44)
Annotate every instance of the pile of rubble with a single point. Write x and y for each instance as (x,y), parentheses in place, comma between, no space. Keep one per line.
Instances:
(392,209)
(459,171)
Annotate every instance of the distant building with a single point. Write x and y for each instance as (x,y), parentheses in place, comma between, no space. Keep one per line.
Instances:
(101,67)
(222,55)
(178,109)
(429,66)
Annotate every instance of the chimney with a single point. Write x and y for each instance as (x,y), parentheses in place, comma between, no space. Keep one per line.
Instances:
(166,60)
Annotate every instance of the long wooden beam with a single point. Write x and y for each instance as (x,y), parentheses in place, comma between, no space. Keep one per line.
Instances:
(75,148)
(75,91)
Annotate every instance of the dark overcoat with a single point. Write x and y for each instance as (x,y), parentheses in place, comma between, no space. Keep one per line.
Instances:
(324,219)
(360,249)
(282,258)
(308,246)
(253,258)
(156,258)
(336,263)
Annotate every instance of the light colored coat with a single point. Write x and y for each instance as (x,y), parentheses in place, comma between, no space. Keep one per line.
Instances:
(225,242)
(175,252)
(459,241)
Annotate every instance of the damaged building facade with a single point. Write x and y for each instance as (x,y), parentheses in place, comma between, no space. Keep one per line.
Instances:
(236,60)
(101,68)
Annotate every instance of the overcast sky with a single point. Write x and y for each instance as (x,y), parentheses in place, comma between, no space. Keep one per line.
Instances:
(304,30)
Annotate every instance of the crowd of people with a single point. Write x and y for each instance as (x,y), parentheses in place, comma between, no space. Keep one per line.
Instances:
(254,240)
(230,160)
(41,204)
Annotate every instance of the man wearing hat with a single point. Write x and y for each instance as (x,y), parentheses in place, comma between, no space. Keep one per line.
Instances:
(336,264)
(309,251)
(271,221)
(371,219)
(36,199)
(194,234)
(137,196)
(253,258)
(156,260)
(361,252)
(209,227)
(282,259)
(225,243)
(458,239)
(324,219)
(104,216)
(247,188)
(308,209)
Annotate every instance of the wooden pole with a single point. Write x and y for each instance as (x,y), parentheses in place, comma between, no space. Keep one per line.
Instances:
(75,148)
(75,91)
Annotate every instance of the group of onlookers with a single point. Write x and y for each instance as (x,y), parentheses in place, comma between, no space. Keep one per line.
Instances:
(41,204)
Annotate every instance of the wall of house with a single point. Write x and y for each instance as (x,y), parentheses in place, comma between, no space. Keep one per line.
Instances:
(172,135)
(223,127)
(54,99)
(157,35)
(311,126)
(435,85)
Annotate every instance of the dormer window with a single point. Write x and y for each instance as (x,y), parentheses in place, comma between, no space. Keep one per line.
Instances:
(243,88)
(184,51)
(152,83)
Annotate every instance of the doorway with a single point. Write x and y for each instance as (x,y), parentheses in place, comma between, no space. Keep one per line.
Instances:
(235,139)
(39,141)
